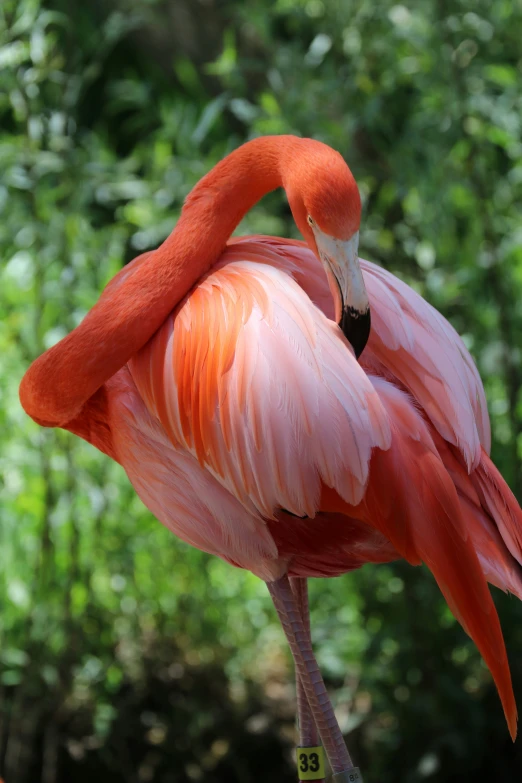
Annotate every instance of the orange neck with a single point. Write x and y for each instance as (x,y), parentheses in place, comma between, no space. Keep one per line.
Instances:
(219,201)
(59,383)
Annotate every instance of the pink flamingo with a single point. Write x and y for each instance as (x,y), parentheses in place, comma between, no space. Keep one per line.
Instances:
(223,375)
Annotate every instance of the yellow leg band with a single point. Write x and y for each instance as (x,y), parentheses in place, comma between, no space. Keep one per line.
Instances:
(310,763)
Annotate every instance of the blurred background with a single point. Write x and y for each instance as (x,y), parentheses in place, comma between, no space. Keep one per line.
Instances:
(126,656)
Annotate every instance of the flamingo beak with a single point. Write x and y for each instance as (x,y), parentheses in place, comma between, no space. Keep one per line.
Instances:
(352,308)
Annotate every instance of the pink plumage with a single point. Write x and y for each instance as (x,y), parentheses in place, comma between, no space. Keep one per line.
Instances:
(246,424)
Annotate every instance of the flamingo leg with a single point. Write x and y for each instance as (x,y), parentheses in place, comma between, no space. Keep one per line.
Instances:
(310,676)
(308,734)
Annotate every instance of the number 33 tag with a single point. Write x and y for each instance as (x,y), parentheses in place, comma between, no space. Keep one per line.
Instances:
(310,763)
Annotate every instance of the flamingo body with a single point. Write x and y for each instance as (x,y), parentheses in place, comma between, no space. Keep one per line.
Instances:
(248,427)
(248,401)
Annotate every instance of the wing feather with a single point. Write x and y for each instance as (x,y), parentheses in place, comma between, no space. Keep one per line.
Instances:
(410,342)
(432,362)
(270,399)
(185,497)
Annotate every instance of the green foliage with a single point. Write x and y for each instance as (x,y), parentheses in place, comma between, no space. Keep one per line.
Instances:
(123,651)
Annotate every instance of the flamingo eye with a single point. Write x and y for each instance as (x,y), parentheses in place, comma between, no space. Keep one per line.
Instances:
(310,220)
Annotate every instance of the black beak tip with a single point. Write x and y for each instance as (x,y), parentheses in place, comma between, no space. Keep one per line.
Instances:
(356,327)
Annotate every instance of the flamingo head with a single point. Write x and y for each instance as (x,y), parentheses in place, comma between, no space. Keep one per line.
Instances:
(326,206)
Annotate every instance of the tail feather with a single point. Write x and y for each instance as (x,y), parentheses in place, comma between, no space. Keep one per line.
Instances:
(500,503)
(499,566)
(489,508)
(425,522)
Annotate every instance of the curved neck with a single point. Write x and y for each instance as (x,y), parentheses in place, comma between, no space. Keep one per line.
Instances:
(217,204)
(139,299)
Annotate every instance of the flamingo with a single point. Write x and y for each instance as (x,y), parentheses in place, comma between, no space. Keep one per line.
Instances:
(293,409)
